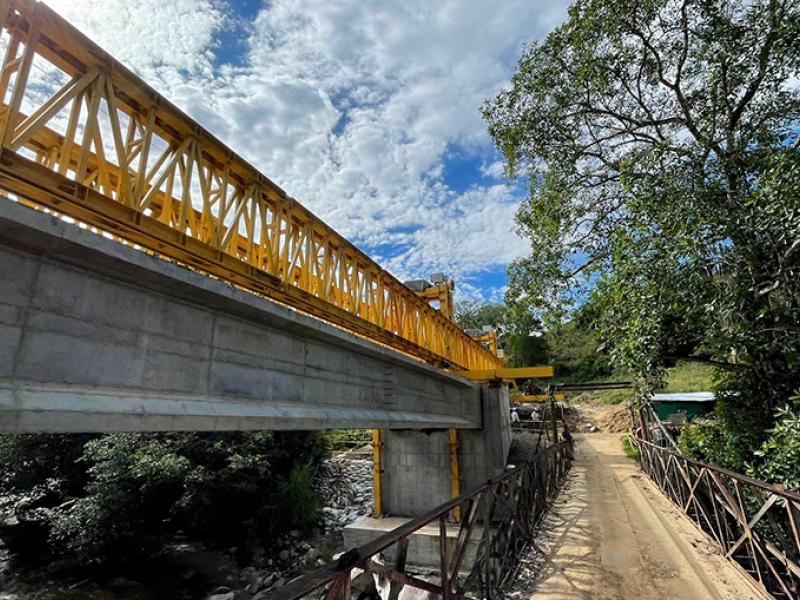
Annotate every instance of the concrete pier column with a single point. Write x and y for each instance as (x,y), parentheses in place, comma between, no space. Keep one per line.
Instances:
(416,463)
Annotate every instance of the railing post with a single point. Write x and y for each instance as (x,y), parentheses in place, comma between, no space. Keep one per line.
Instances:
(643,425)
(446,591)
(400,566)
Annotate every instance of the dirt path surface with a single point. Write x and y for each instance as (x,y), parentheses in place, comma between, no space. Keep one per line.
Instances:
(612,535)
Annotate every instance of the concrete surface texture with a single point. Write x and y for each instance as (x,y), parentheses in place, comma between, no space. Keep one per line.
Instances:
(423,545)
(98,336)
(612,535)
(416,464)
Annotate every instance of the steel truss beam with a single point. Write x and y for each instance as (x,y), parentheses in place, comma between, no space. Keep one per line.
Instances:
(108,151)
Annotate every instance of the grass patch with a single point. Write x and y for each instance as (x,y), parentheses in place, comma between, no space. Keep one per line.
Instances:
(614,396)
(630,448)
(690,377)
(340,440)
(683,377)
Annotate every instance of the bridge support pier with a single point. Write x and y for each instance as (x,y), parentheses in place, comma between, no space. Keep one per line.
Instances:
(416,476)
(417,464)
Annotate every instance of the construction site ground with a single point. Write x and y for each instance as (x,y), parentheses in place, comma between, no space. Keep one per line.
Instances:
(611,534)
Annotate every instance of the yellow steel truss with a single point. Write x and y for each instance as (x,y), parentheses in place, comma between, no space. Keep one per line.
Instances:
(508,374)
(441,292)
(109,151)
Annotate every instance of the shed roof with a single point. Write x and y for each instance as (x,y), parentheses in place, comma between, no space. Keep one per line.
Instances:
(684,397)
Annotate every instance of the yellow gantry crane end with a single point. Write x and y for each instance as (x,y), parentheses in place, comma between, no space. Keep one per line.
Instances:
(508,374)
(538,398)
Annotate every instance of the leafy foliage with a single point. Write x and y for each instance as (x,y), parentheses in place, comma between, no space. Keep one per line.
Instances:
(519,333)
(297,501)
(777,460)
(661,143)
(28,461)
(703,439)
(129,490)
(474,315)
(779,455)
(575,353)
(133,482)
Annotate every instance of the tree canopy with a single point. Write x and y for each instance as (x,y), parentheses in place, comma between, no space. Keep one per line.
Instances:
(660,139)
(518,335)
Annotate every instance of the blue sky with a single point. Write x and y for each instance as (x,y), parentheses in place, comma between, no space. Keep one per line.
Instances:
(367,112)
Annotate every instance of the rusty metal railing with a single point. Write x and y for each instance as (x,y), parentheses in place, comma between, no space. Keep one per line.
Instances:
(506,510)
(754,523)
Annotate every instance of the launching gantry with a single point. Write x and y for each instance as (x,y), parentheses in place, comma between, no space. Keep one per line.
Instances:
(438,292)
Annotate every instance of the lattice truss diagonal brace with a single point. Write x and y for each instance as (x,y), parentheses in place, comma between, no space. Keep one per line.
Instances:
(84,137)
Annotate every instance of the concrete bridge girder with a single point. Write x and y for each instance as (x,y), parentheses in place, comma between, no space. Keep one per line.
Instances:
(98,336)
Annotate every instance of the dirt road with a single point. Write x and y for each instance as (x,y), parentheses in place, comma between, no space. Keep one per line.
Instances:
(612,535)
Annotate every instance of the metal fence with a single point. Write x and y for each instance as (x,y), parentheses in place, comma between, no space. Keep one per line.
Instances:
(755,524)
(503,513)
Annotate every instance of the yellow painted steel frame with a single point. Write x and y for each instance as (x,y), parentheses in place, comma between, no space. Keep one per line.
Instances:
(455,474)
(508,374)
(443,294)
(377,472)
(490,339)
(108,151)
(538,398)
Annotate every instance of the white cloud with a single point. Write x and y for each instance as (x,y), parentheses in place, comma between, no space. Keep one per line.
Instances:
(351,106)
(495,170)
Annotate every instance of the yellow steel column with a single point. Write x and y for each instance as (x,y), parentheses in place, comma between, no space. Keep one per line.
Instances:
(377,448)
(455,476)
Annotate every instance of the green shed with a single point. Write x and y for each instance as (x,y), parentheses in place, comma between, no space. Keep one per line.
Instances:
(680,406)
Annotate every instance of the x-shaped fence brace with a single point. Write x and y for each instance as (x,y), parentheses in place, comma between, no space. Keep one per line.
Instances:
(504,512)
(754,523)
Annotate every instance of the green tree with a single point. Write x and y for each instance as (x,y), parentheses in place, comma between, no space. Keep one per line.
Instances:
(31,461)
(660,140)
(575,353)
(519,332)
(474,315)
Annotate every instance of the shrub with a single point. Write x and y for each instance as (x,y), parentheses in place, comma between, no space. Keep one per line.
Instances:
(779,456)
(296,500)
(134,481)
(28,461)
(701,439)
(128,490)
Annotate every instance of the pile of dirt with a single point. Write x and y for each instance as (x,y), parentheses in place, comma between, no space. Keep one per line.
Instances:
(589,415)
(614,419)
